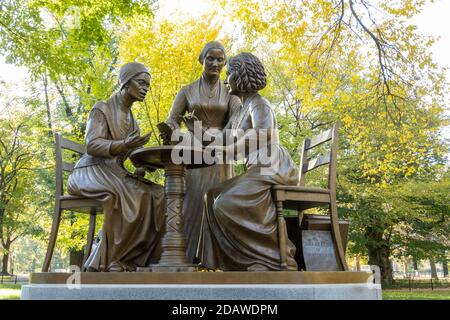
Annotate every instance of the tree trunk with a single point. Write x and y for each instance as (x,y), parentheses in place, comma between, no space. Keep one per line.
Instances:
(405,267)
(380,256)
(415,265)
(445,267)
(47,105)
(433,269)
(67,108)
(379,252)
(33,265)
(358,263)
(5,260)
(76,257)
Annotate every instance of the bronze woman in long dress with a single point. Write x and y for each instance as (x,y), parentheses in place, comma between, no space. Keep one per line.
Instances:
(133,208)
(208,101)
(239,230)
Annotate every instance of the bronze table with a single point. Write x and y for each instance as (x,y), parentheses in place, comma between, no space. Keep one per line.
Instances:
(173,256)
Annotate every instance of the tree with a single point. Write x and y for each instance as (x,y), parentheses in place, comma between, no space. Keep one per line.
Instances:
(69,45)
(427,226)
(369,69)
(19,172)
(14,157)
(70,50)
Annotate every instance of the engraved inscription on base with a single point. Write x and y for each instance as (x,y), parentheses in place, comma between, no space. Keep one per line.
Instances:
(318,251)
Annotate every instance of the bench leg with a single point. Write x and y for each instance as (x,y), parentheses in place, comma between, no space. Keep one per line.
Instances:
(337,235)
(53,236)
(281,235)
(90,237)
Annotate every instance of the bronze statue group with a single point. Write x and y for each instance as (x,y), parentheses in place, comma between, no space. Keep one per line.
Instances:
(229,221)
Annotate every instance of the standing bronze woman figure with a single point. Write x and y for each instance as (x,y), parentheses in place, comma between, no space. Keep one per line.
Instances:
(208,101)
(239,230)
(133,209)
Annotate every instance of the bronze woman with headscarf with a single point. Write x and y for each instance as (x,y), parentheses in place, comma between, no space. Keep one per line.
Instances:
(239,230)
(133,208)
(206,100)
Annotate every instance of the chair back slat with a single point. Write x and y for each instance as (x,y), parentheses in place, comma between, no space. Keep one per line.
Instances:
(72,146)
(317,162)
(329,158)
(303,162)
(332,175)
(61,144)
(319,139)
(59,166)
(68,166)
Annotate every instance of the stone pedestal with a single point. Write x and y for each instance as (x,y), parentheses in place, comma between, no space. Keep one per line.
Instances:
(203,292)
(202,286)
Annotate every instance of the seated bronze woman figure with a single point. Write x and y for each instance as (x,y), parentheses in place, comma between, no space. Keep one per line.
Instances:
(133,208)
(239,230)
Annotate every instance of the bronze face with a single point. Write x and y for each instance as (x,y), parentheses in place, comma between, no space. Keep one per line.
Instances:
(230,82)
(138,86)
(214,62)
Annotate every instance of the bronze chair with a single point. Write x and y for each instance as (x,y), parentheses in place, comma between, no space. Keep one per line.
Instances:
(301,197)
(67,202)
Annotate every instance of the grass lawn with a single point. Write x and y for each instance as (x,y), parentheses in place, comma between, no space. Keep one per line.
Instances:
(10,291)
(417,294)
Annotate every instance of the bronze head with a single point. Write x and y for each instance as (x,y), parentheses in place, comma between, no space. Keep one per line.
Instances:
(135,78)
(245,73)
(213,58)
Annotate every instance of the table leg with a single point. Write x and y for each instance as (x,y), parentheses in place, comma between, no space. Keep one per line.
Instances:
(173,257)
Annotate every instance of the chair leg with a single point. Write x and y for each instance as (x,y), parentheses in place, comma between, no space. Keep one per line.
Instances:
(281,235)
(337,235)
(53,236)
(90,237)
(300,215)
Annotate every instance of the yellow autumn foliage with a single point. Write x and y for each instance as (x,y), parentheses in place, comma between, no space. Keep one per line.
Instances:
(170,49)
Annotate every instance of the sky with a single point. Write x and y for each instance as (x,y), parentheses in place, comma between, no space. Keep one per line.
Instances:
(433,20)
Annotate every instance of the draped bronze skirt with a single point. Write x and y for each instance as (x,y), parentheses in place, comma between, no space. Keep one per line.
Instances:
(134,215)
(239,227)
(198,182)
